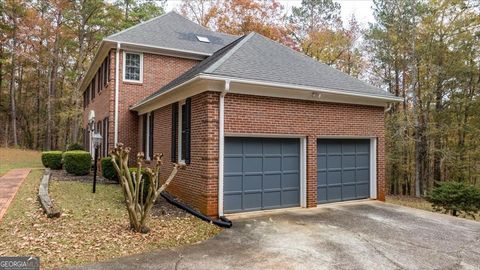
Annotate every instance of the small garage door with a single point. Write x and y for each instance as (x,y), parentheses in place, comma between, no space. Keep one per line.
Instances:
(261,173)
(343,170)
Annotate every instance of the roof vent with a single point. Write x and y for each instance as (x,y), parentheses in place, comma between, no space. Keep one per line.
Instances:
(203,39)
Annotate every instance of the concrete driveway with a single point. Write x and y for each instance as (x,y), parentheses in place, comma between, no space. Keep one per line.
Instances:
(362,235)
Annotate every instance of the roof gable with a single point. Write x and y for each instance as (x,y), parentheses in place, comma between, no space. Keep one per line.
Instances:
(175,32)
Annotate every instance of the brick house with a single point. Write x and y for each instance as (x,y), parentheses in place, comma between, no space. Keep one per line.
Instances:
(259,125)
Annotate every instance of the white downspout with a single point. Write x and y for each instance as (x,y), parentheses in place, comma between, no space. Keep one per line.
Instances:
(117,63)
(221,145)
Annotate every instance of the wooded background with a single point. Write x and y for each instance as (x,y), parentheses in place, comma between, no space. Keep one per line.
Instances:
(425,51)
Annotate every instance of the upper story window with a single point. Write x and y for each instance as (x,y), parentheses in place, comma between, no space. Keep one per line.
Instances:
(133,67)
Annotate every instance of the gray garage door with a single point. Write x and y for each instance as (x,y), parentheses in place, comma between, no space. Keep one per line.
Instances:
(261,173)
(343,170)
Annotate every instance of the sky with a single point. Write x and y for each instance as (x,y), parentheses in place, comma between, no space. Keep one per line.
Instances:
(362,9)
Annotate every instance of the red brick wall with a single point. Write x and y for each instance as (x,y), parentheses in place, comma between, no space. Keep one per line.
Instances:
(195,185)
(103,103)
(158,70)
(254,114)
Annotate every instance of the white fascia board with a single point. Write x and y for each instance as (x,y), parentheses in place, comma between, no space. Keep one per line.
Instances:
(340,96)
(300,87)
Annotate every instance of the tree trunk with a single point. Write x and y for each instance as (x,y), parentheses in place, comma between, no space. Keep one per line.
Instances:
(52,84)
(13,109)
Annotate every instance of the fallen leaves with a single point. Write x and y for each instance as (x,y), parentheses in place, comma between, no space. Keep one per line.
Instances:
(92,227)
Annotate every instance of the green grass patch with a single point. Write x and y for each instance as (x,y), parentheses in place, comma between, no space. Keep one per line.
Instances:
(11,158)
(93,227)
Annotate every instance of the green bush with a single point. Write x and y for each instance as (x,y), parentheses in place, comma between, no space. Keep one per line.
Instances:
(75,146)
(52,159)
(77,162)
(455,198)
(144,180)
(108,171)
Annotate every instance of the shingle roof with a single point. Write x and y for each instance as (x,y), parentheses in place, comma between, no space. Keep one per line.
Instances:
(255,57)
(173,31)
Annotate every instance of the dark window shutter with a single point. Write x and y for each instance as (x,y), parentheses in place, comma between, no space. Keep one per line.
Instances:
(150,141)
(188,115)
(144,134)
(174,131)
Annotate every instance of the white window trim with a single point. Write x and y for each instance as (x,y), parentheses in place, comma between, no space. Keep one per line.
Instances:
(181,160)
(124,66)
(147,137)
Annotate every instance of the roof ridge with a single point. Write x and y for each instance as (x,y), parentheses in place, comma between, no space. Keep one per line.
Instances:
(230,52)
(139,24)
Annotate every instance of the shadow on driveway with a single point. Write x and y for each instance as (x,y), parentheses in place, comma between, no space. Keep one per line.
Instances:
(363,235)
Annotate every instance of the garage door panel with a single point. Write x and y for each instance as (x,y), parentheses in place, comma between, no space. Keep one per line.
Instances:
(322,194)
(232,201)
(343,169)
(252,182)
(321,162)
(322,178)
(252,201)
(252,147)
(348,161)
(272,164)
(334,193)
(290,180)
(363,160)
(291,197)
(363,190)
(334,177)
(334,148)
(233,164)
(348,176)
(291,147)
(235,147)
(272,199)
(348,148)
(349,192)
(253,164)
(272,147)
(334,162)
(290,163)
(266,174)
(232,183)
(363,175)
(272,181)
(363,148)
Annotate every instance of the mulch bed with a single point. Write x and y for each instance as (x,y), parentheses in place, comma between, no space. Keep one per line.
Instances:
(164,209)
(61,175)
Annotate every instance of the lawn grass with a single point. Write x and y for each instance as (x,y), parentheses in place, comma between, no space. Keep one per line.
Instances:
(11,158)
(419,203)
(92,227)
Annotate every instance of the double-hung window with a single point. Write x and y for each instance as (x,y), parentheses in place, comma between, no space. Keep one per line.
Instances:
(132,67)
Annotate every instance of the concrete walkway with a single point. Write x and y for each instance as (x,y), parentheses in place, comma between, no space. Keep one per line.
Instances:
(9,184)
(363,235)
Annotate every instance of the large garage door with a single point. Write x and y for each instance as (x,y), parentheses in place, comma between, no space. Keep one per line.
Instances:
(343,170)
(261,173)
